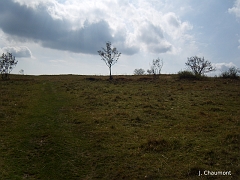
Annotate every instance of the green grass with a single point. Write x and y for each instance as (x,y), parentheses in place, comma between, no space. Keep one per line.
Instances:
(134,127)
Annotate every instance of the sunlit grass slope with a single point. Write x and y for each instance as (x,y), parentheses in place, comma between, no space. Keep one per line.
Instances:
(134,127)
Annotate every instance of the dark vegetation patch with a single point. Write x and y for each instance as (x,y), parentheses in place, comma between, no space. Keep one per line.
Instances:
(188,75)
(92,79)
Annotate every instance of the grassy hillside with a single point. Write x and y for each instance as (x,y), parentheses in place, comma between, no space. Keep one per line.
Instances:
(80,127)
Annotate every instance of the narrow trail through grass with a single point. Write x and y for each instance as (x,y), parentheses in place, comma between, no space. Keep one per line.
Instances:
(43,135)
(37,141)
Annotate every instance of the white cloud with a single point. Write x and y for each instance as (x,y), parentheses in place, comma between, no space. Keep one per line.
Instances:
(174,27)
(235,9)
(18,51)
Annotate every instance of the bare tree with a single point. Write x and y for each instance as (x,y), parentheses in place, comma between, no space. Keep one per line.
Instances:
(156,67)
(199,66)
(7,63)
(110,56)
(139,71)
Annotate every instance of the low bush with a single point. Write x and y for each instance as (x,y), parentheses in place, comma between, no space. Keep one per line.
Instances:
(187,75)
(231,73)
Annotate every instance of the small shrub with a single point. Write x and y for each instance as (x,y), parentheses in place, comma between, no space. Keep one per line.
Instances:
(139,71)
(187,75)
(231,73)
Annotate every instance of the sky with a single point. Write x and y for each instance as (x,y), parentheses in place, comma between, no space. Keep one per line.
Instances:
(63,36)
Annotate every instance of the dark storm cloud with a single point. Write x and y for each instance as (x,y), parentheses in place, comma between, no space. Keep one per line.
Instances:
(21,21)
(30,23)
(85,40)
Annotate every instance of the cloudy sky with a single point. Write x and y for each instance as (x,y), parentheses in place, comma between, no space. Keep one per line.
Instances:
(63,36)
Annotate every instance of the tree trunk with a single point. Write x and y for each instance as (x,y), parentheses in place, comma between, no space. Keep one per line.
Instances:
(110,69)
